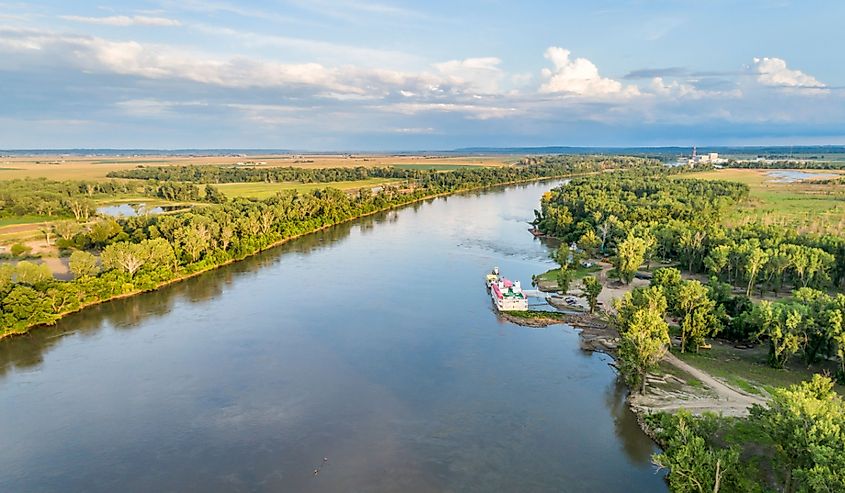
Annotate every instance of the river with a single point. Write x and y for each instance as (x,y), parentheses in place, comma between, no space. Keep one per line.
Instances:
(373,344)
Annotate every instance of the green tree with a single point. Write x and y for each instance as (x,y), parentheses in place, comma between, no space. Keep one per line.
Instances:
(754,261)
(694,466)
(590,243)
(807,425)
(717,260)
(214,195)
(781,325)
(32,274)
(83,264)
(697,312)
(592,289)
(651,298)
(669,280)
(642,346)
(124,256)
(564,279)
(629,256)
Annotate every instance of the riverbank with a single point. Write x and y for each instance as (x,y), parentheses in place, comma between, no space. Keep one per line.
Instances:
(193,273)
(674,386)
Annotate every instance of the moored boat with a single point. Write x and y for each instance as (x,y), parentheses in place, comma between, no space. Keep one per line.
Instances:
(507,295)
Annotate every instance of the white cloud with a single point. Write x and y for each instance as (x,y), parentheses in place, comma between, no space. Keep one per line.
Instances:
(684,90)
(123,20)
(473,112)
(579,77)
(774,72)
(481,74)
(150,61)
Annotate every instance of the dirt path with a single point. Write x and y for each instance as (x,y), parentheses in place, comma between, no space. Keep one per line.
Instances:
(718,397)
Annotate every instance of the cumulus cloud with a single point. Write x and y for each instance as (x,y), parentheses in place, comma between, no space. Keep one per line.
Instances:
(579,77)
(151,61)
(774,72)
(124,20)
(482,74)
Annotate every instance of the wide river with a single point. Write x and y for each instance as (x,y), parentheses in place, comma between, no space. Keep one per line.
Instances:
(373,345)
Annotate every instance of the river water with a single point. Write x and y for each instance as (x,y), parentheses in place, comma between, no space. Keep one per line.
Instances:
(373,344)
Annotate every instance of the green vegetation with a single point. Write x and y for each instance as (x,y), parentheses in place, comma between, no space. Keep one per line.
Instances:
(794,444)
(592,290)
(265,190)
(142,253)
(812,206)
(643,332)
(536,314)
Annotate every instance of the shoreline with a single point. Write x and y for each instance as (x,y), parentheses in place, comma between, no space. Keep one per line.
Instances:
(669,389)
(20,332)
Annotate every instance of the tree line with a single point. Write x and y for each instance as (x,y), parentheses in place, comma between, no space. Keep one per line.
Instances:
(539,166)
(78,199)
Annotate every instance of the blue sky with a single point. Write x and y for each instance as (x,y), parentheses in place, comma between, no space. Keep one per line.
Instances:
(400,75)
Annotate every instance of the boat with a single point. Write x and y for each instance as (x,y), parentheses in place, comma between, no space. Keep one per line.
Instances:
(507,295)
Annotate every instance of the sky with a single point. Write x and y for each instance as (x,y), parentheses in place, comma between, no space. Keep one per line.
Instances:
(381,75)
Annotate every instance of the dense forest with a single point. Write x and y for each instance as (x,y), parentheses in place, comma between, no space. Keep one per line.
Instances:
(112,258)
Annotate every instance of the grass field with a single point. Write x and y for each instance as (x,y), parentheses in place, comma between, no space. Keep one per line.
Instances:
(806,206)
(747,369)
(11,221)
(96,167)
(264,190)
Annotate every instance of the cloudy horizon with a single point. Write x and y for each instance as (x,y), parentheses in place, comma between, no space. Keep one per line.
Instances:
(343,75)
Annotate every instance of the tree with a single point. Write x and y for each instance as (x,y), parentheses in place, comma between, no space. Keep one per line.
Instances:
(80,207)
(83,264)
(651,298)
(695,467)
(604,229)
(691,244)
(124,256)
(754,261)
(47,230)
(592,289)
(669,280)
(697,312)
(642,346)
(806,422)
(717,260)
(66,230)
(629,256)
(214,195)
(780,324)
(590,243)
(32,274)
(159,253)
(564,279)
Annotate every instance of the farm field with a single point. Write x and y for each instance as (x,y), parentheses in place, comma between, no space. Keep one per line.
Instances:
(264,190)
(785,197)
(97,167)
